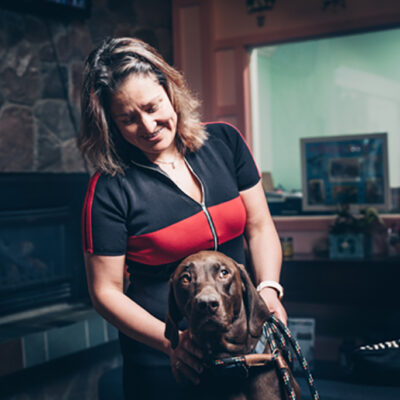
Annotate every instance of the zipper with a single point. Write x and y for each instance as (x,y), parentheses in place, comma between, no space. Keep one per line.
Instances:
(203,206)
(202,203)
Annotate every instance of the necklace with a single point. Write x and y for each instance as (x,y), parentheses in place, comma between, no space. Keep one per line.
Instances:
(171,163)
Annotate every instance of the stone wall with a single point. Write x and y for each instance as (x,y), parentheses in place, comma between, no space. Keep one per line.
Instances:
(41,62)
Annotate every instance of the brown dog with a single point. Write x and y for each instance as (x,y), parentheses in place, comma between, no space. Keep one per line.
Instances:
(225,316)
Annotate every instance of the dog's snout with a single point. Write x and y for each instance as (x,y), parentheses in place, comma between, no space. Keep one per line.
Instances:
(207,303)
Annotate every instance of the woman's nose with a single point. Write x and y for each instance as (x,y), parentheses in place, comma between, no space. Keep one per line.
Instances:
(149,123)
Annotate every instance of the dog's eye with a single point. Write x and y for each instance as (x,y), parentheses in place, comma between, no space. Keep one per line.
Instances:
(223,273)
(185,279)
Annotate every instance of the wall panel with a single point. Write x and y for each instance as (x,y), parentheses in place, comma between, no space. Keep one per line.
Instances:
(190,44)
(225,74)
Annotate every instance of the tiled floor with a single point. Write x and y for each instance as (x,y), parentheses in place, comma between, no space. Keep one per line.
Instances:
(74,377)
(77,378)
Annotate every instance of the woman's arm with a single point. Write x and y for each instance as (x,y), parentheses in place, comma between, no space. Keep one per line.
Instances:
(264,246)
(105,275)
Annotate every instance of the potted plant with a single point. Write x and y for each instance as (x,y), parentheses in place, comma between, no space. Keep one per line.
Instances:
(351,236)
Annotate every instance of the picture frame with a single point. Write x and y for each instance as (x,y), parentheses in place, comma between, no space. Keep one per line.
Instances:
(345,169)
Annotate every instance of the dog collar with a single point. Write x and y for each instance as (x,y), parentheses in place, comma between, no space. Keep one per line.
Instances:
(239,365)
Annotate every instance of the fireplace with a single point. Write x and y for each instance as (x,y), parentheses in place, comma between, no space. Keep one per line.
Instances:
(41,261)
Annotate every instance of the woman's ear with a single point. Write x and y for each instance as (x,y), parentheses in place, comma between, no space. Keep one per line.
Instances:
(174,316)
(256,310)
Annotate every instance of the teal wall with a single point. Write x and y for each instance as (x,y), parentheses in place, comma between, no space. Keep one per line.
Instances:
(326,87)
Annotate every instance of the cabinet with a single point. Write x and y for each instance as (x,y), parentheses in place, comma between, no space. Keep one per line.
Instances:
(351,300)
(369,282)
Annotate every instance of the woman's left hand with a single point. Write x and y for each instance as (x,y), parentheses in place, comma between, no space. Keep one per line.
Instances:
(275,306)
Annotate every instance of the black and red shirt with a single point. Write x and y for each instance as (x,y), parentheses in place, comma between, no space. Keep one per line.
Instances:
(146,216)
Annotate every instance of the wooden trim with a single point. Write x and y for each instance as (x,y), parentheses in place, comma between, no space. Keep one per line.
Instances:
(206,37)
(208,61)
(226,110)
(176,24)
(177,7)
(239,89)
(357,25)
(245,62)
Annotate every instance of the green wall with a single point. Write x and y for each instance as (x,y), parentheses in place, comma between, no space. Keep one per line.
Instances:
(325,87)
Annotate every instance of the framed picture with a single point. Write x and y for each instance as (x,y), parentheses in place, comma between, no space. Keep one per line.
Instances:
(347,169)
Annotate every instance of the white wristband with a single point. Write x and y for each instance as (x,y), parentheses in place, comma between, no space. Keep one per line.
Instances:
(273,285)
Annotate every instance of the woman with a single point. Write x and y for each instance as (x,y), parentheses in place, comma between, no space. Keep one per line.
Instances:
(166,187)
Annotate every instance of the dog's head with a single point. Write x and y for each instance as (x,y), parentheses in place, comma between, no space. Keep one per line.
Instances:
(215,294)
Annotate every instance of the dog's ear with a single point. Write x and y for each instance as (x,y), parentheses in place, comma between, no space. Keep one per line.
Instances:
(174,316)
(256,310)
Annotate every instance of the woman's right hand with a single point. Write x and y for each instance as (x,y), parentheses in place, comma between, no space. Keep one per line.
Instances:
(186,360)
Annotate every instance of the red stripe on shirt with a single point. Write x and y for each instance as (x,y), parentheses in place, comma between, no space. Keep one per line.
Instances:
(87,235)
(192,234)
(229,219)
(172,242)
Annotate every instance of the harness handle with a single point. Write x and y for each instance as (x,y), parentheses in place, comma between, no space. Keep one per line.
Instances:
(259,360)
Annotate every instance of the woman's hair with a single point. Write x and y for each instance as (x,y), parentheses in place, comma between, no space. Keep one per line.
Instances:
(106,68)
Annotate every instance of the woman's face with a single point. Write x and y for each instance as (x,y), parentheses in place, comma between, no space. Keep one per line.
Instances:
(145,117)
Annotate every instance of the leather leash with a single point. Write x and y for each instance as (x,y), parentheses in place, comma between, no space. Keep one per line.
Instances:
(273,331)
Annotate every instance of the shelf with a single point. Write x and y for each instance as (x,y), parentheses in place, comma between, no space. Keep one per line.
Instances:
(317,222)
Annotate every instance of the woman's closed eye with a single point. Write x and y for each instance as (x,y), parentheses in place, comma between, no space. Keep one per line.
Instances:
(133,118)
(151,108)
(129,120)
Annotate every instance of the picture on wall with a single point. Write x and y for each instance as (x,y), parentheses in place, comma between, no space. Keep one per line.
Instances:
(348,169)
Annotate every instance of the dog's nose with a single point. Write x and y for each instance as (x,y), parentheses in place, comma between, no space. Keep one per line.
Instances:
(207,303)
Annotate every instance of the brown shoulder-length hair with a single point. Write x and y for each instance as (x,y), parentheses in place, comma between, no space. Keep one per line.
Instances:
(106,68)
